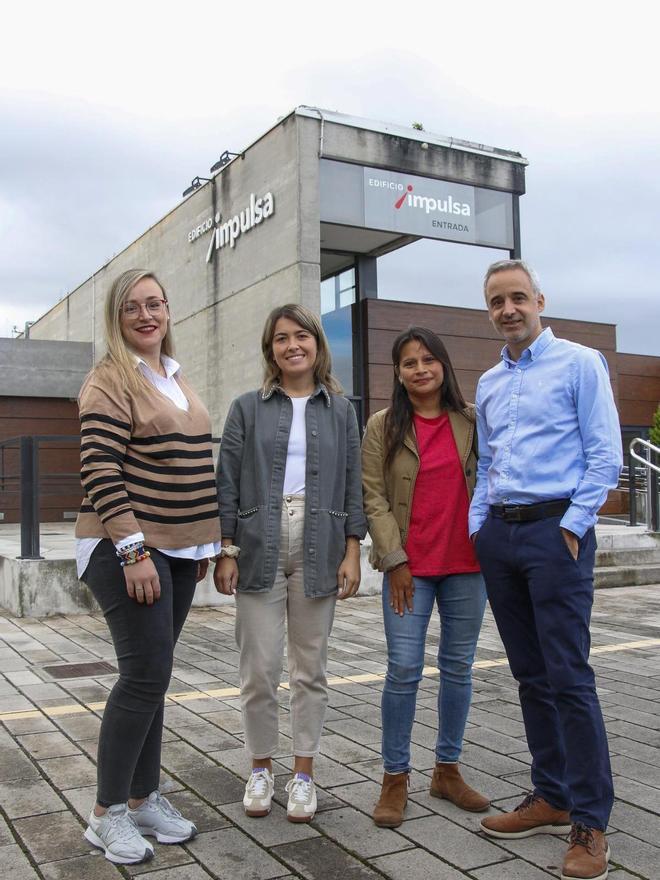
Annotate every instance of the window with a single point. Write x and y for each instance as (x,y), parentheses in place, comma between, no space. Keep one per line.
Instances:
(337,298)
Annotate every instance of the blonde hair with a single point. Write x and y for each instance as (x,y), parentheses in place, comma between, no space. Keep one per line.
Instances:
(310,322)
(119,354)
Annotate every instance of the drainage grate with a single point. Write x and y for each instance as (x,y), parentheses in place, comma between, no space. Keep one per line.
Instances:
(79,670)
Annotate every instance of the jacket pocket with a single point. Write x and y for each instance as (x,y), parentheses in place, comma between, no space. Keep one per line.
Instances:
(330,548)
(251,538)
(244,514)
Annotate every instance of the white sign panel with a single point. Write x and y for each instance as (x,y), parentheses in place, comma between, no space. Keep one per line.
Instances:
(409,204)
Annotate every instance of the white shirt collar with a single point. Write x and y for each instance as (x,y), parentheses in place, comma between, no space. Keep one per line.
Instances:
(170,365)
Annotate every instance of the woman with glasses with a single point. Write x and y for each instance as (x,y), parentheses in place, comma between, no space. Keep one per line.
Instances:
(291,514)
(147,526)
(419,461)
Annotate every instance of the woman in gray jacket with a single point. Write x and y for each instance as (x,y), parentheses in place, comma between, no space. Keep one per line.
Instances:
(289,489)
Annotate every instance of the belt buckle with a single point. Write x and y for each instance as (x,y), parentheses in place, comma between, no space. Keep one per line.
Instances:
(512,513)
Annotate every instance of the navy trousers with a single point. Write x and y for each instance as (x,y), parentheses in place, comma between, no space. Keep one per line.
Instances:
(542,598)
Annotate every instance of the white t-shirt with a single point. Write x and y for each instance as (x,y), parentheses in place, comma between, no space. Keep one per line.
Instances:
(296,454)
(168,386)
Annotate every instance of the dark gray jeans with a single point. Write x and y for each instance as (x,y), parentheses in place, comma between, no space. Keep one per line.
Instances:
(144,638)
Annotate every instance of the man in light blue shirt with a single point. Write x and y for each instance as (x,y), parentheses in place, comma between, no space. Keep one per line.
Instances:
(549,451)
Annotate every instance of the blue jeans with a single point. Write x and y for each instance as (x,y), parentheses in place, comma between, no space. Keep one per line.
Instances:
(461,599)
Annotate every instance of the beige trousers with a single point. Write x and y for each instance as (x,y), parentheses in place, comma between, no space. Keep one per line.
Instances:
(260,629)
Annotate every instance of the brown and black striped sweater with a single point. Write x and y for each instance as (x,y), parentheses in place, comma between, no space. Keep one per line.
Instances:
(146,465)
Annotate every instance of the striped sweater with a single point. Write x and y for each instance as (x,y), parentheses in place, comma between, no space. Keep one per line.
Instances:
(146,465)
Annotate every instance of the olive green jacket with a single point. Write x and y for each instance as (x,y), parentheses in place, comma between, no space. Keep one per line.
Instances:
(388,495)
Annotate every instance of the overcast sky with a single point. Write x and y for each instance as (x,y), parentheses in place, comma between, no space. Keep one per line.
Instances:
(108,111)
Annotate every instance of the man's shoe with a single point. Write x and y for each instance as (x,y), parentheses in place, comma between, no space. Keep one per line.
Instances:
(156,817)
(587,856)
(117,835)
(258,792)
(533,816)
(448,783)
(388,812)
(302,798)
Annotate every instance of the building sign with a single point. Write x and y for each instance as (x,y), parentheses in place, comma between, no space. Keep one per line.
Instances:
(413,205)
(227,232)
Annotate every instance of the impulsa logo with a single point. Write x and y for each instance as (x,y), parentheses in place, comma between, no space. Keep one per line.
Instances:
(430,204)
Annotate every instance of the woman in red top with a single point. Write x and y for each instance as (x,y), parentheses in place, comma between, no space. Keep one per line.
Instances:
(418,466)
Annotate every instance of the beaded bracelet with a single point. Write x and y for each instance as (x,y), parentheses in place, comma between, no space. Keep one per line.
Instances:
(132,554)
(136,545)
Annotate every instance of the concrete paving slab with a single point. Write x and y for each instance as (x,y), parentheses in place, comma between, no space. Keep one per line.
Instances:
(15,766)
(637,857)
(30,797)
(357,833)
(460,848)
(416,864)
(91,867)
(47,745)
(321,859)
(230,854)
(545,851)
(6,837)
(269,830)
(513,870)
(164,857)
(15,864)
(214,785)
(71,772)
(52,837)
(191,871)
(48,763)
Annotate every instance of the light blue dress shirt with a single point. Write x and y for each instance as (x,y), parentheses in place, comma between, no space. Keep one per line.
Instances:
(548,428)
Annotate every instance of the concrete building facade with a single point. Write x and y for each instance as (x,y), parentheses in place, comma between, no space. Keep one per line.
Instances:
(294,208)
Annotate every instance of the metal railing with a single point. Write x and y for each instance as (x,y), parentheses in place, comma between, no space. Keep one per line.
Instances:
(31,485)
(651,469)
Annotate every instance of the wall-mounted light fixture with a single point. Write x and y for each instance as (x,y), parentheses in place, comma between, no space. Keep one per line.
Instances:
(195,183)
(224,159)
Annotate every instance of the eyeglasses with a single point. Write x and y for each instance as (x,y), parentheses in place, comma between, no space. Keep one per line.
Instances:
(155,307)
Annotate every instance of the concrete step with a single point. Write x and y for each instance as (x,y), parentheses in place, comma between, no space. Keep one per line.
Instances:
(626,575)
(627,557)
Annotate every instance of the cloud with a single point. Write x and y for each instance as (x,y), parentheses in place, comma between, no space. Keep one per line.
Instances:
(81,178)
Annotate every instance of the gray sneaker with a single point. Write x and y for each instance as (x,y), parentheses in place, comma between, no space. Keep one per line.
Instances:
(117,835)
(156,817)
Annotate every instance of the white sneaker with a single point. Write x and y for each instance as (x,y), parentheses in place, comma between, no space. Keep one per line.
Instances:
(117,835)
(302,798)
(258,792)
(156,817)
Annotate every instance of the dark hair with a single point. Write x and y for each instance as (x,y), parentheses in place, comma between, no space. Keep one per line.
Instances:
(399,415)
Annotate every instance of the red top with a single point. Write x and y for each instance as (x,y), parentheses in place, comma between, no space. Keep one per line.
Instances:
(438,543)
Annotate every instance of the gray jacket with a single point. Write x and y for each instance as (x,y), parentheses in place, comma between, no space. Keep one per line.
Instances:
(251,480)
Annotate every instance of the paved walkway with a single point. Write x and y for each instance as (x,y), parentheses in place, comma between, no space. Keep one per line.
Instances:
(48,744)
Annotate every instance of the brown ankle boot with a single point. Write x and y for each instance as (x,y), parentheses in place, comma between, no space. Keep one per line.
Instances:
(448,783)
(388,812)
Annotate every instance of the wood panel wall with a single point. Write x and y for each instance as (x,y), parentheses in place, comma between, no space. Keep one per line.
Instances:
(41,415)
(471,341)
(639,388)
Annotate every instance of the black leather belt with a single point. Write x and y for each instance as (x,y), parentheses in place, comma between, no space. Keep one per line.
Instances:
(529,512)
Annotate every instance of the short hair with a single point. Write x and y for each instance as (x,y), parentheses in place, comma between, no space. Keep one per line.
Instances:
(310,322)
(503,265)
